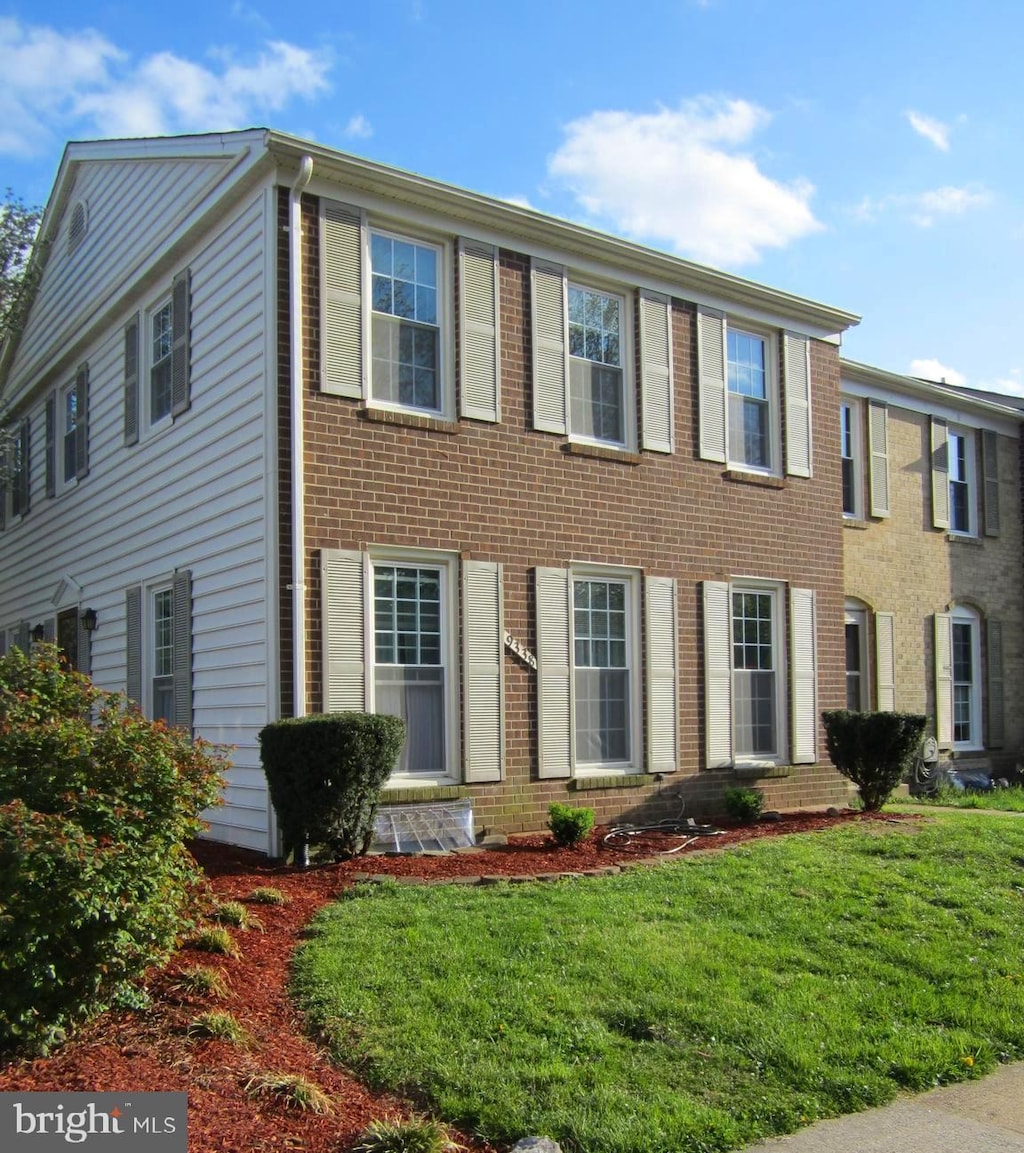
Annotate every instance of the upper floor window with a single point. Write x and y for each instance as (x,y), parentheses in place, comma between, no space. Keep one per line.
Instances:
(750,407)
(596,389)
(850,452)
(406,323)
(161,328)
(20,470)
(961,482)
(69,431)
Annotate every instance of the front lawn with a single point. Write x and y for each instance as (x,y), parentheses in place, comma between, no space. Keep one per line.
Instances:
(1005,800)
(699,1005)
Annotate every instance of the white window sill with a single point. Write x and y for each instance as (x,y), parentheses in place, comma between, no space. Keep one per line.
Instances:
(420,781)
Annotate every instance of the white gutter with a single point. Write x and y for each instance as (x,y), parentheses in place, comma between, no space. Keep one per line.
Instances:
(298,462)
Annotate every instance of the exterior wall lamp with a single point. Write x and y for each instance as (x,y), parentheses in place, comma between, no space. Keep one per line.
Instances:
(89,620)
(38,633)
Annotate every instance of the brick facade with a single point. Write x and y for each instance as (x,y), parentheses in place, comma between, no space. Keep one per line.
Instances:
(901,564)
(505,492)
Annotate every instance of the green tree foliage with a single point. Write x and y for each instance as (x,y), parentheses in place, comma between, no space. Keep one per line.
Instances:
(96,884)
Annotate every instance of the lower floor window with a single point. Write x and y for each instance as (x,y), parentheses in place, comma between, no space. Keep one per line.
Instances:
(963,683)
(754,674)
(163,655)
(856,660)
(601,671)
(409,667)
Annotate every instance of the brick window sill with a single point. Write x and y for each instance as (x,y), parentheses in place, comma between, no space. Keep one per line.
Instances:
(969,541)
(852,522)
(762,772)
(619,781)
(408,420)
(415,794)
(737,476)
(598,452)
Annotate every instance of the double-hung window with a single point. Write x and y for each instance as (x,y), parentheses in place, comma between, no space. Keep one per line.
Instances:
(161,345)
(755,667)
(409,659)
(750,408)
(597,406)
(406,322)
(850,451)
(162,655)
(69,432)
(958,676)
(158,627)
(602,670)
(962,518)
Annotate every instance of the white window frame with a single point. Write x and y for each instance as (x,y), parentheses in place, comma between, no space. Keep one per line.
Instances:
(62,482)
(149,422)
(631,578)
(770,339)
(445,294)
(149,647)
(958,432)
(857,614)
(627,363)
(448,566)
(777,591)
(850,413)
(963,615)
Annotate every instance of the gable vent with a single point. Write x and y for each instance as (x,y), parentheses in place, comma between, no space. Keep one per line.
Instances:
(78,227)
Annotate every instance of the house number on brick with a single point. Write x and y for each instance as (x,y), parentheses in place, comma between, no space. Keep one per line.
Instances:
(520,650)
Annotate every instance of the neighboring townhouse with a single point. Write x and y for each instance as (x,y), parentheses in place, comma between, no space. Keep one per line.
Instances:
(300,432)
(932,518)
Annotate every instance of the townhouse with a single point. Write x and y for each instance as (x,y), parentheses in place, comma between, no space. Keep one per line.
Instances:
(301,432)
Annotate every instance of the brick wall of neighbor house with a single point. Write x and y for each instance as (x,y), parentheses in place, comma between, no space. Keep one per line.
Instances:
(504,492)
(901,564)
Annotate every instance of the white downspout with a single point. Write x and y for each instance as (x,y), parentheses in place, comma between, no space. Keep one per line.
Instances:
(298,462)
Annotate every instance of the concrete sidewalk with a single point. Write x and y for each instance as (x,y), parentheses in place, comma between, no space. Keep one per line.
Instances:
(984,1116)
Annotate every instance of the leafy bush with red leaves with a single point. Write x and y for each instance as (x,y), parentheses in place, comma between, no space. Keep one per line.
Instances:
(96,884)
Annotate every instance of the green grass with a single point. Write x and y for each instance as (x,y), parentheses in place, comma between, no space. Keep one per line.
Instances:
(1005,800)
(700,1005)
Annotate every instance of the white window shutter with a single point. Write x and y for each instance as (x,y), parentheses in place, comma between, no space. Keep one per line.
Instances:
(803,650)
(181,643)
(940,473)
(656,372)
(944,678)
(990,481)
(554,674)
(483,680)
(796,361)
(662,675)
(994,696)
(479,343)
(718,674)
(344,630)
(341,309)
(133,636)
(711,370)
(885,662)
(878,458)
(550,346)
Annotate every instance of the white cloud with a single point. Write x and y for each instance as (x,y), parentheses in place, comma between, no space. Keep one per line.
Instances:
(1011,385)
(518,201)
(81,83)
(676,177)
(933,369)
(359,127)
(923,208)
(931,129)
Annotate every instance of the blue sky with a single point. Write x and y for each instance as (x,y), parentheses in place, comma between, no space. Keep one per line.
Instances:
(865,155)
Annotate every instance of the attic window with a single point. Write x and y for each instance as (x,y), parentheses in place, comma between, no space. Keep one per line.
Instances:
(78,227)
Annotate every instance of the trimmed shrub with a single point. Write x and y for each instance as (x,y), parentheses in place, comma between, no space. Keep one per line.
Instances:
(96,884)
(874,750)
(743,804)
(569,826)
(325,774)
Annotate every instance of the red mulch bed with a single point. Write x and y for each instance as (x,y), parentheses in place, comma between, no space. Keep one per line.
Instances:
(149,1051)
